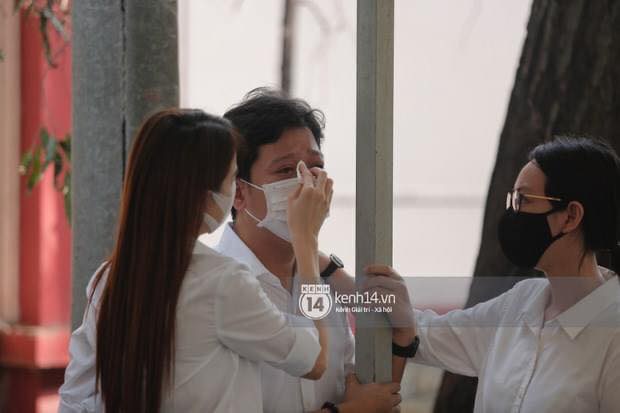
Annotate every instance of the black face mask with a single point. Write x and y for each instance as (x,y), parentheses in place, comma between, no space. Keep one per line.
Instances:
(524,237)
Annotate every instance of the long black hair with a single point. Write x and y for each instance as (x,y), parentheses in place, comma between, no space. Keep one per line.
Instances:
(176,158)
(588,171)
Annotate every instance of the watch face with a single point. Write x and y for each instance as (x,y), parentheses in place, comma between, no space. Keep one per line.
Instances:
(336,261)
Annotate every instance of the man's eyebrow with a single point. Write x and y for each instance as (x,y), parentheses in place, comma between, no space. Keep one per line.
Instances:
(316,153)
(283,158)
(290,156)
(523,188)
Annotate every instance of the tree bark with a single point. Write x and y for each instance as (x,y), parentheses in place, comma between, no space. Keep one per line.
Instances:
(567,83)
(288,39)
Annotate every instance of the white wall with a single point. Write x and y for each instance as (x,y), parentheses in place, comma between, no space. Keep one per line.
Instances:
(455,62)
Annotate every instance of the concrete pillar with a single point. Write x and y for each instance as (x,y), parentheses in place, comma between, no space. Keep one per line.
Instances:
(125,67)
(375,83)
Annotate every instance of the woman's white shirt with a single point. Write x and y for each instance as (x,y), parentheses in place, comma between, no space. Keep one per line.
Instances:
(225,326)
(568,364)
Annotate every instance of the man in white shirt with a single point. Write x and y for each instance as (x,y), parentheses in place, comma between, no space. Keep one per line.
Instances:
(276,133)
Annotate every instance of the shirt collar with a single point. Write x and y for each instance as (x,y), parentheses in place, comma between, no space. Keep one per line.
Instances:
(200,248)
(580,315)
(232,246)
(533,312)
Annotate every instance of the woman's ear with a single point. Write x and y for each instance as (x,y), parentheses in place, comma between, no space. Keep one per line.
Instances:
(574,216)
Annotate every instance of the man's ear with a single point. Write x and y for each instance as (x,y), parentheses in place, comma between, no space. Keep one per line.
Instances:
(574,216)
(240,195)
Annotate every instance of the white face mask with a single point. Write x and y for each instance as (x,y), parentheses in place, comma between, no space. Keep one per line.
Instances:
(224,203)
(276,197)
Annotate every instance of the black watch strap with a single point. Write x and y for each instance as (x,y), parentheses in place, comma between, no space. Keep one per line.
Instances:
(408,351)
(329,270)
(331,407)
(334,264)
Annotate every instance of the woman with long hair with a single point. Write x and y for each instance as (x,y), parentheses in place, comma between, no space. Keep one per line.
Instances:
(549,344)
(171,325)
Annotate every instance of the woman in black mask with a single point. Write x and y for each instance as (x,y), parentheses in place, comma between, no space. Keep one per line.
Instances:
(549,344)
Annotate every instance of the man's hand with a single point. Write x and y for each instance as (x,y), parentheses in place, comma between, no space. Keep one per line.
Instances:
(384,280)
(369,398)
(309,205)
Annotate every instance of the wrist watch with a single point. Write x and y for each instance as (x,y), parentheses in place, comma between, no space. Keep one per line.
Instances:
(335,263)
(406,351)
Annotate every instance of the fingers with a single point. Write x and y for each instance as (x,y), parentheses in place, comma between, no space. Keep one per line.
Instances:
(321,181)
(329,191)
(351,379)
(316,185)
(380,282)
(378,269)
(392,387)
(306,176)
(396,399)
(382,270)
(329,188)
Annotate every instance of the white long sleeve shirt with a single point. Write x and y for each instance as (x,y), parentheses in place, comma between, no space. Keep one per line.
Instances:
(225,327)
(570,364)
(282,391)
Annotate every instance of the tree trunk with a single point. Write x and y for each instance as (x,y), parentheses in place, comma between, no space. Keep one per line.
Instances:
(288,39)
(567,83)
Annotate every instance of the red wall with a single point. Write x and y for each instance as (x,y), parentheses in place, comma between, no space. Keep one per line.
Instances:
(45,237)
(34,352)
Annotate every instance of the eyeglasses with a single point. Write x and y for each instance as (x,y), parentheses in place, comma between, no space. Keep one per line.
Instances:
(514,198)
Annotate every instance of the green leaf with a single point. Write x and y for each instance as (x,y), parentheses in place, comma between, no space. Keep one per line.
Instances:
(50,151)
(57,24)
(44,136)
(57,168)
(66,191)
(65,144)
(1,56)
(35,173)
(43,20)
(17,5)
(26,162)
(28,11)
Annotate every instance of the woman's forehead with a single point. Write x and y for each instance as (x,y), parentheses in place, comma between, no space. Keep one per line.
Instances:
(531,179)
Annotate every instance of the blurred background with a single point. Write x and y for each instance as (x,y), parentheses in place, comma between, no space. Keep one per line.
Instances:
(476,84)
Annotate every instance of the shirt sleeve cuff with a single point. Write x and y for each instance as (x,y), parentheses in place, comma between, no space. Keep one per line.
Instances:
(305,350)
(83,407)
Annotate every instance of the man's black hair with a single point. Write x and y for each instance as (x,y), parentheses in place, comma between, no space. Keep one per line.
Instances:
(262,117)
